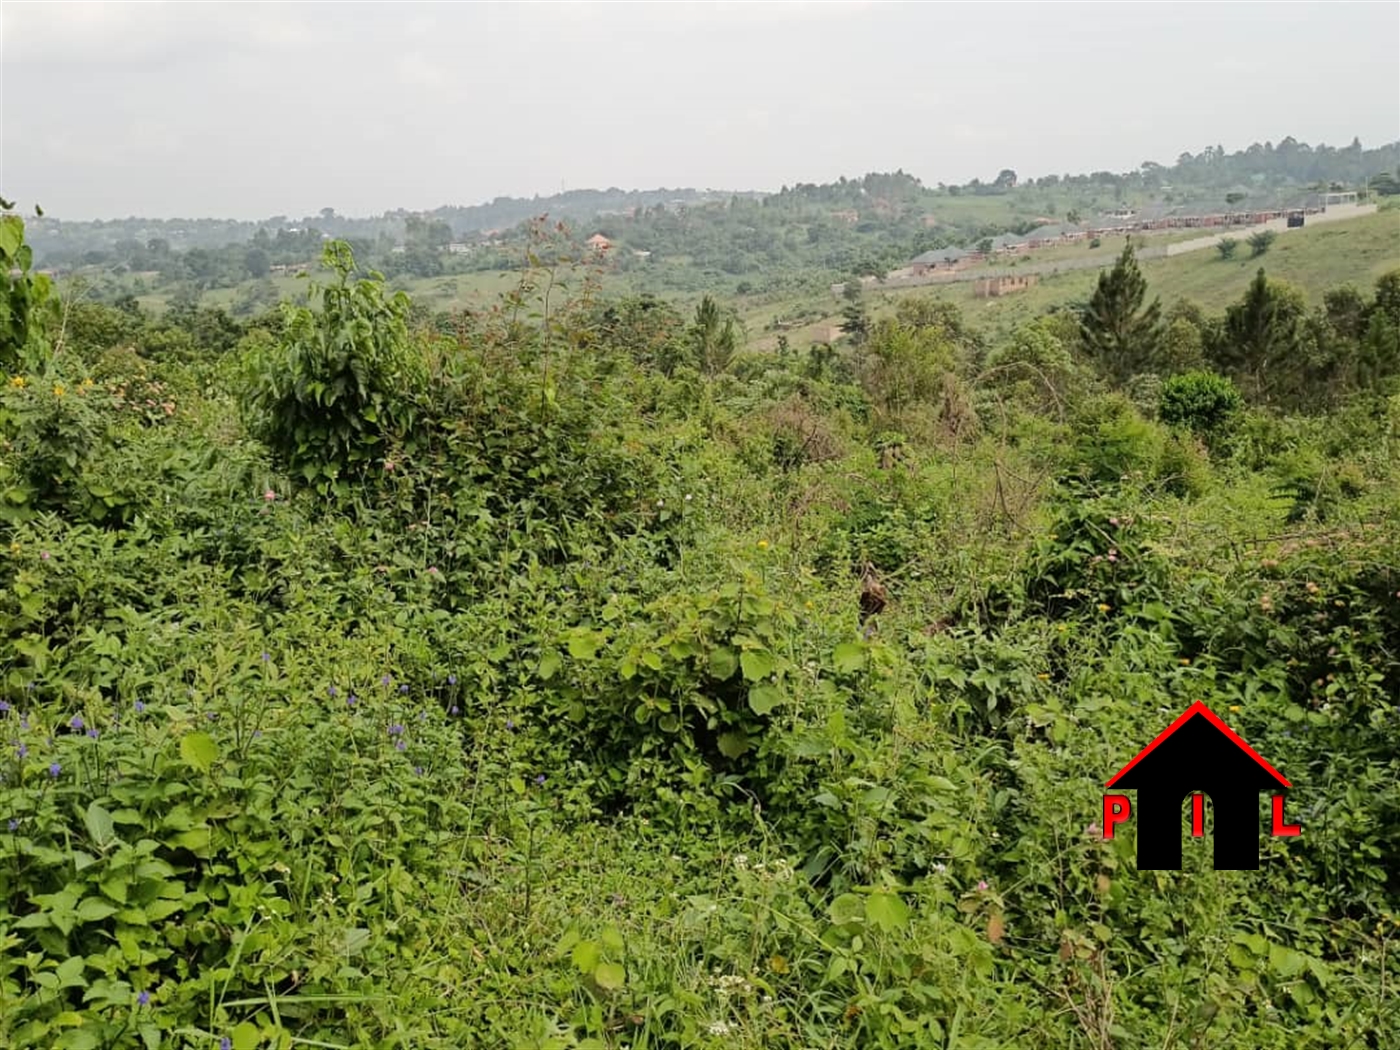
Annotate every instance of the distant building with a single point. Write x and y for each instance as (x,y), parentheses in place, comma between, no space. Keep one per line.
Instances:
(599,243)
(459,248)
(940,259)
(849,216)
(995,287)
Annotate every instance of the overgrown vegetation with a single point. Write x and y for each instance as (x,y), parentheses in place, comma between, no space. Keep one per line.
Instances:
(560,675)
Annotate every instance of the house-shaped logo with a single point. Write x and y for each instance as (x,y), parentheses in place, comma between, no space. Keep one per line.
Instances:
(1197,755)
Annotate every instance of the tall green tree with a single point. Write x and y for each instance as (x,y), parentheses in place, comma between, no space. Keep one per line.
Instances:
(855,318)
(714,337)
(1119,333)
(1259,341)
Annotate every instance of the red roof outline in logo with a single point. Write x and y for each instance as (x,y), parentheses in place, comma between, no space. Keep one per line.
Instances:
(1199,708)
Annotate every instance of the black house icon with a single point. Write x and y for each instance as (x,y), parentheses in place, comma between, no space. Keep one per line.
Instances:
(1198,753)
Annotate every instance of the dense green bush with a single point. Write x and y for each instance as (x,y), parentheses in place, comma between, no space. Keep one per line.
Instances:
(1206,404)
(601,707)
(340,383)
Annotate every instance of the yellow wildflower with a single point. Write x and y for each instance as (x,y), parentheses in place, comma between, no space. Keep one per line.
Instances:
(17,382)
(1234,707)
(59,390)
(1043,677)
(1103,607)
(763,545)
(1186,661)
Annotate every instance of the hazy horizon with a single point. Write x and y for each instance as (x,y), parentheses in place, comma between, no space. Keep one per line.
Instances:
(254,110)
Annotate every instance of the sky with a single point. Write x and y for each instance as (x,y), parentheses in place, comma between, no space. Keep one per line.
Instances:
(252,110)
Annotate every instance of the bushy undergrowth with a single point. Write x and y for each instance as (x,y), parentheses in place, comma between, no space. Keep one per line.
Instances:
(553,699)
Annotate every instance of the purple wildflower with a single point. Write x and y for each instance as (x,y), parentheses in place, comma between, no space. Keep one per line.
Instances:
(418,770)
(403,689)
(76,722)
(55,770)
(4,707)
(23,750)
(331,691)
(453,710)
(266,657)
(385,680)
(351,700)
(452,679)
(225,1043)
(13,824)
(539,780)
(510,724)
(396,730)
(92,733)
(139,707)
(400,744)
(144,999)
(257,732)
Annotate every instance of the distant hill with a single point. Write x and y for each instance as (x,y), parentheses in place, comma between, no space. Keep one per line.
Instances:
(804,235)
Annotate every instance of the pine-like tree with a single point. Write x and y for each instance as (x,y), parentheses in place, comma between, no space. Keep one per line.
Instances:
(1260,336)
(1119,333)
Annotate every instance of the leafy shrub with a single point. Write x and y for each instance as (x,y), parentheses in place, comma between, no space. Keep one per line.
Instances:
(1315,488)
(691,677)
(340,382)
(1207,404)
(1112,443)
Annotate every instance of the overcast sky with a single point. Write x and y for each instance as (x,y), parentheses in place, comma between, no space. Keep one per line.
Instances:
(251,110)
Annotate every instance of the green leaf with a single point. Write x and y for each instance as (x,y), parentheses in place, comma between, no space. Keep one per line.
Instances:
(79,1039)
(100,826)
(723,664)
(847,909)
(245,1036)
(757,664)
(609,976)
(849,657)
(763,698)
(583,644)
(70,973)
(11,235)
(887,911)
(549,664)
(733,744)
(199,750)
(585,956)
(94,909)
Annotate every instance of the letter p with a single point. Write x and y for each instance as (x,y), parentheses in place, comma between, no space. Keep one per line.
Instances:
(1116,809)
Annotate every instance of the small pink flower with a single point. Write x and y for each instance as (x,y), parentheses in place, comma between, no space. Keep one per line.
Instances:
(432,570)
(389,465)
(1113,521)
(982,885)
(269,495)
(43,555)
(1093,831)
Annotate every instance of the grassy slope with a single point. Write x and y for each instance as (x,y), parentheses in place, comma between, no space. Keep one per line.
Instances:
(1317,258)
